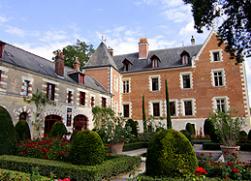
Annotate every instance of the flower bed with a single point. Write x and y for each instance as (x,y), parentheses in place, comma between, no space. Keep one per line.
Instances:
(110,167)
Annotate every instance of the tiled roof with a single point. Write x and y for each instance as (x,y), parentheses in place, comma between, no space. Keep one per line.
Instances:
(24,59)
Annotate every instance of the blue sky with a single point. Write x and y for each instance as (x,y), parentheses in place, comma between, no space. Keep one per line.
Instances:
(42,26)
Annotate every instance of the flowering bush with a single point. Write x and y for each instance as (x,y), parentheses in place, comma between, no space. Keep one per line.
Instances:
(47,148)
(200,171)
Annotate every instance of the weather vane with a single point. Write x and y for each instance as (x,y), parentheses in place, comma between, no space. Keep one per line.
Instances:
(103,39)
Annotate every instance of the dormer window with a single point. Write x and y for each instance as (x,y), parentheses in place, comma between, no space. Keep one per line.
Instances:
(155,61)
(185,58)
(127,64)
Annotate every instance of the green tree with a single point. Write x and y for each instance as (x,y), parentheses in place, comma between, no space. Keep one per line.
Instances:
(144,114)
(101,115)
(168,112)
(235,16)
(81,50)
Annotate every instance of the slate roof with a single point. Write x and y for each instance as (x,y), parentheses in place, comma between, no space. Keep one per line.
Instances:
(169,58)
(101,57)
(24,59)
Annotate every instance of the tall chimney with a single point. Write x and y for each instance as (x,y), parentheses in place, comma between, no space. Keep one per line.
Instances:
(59,63)
(143,48)
(193,40)
(110,50)
(76,65)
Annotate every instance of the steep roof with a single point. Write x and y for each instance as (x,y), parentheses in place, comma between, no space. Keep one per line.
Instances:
(100,58)
(169,58)
(24,59)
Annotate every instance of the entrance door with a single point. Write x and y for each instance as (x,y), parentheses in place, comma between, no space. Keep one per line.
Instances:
(80,122)
(49,121)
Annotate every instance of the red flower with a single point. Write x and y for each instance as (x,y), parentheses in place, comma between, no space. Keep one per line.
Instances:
(235,170)
(229,164)
(200,171)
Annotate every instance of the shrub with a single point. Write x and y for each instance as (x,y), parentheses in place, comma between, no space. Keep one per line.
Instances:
(58,130)
(249,135)
(113,166)
(210,130)
(190,128)
(133,125)
(7,133)
(22,131)
(187,134)
(170,154)
(87,148)
(243,136)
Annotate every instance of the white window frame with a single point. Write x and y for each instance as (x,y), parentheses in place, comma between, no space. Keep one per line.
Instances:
(214,103)
(176,107)
(160,107)
(220,54)
(129,80)
(130,109)
(223,77)
(72,91)
(193,106)
(150,82)
(191,80)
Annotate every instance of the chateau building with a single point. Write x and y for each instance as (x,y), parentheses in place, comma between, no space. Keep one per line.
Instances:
(201,79)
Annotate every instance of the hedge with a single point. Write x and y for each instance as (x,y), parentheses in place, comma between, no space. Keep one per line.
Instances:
(134,146)
(113,166)
(216,146)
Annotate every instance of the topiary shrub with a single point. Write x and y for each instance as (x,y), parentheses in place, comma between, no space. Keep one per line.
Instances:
(170,154)
(187,134)
(249,135)
(7,133)
(190,128)
(133,125)
(58,130)
(22,131)
(243,136)
(209,130)
(87,148)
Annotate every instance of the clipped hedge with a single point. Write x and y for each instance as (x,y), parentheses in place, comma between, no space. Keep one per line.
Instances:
(58,130)
(111,167)
(134,146)
(22,131)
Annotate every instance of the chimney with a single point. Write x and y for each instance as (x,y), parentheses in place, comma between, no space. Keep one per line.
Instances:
(143,48)
(76,65)
(110,50)
(59,63)
(193,40)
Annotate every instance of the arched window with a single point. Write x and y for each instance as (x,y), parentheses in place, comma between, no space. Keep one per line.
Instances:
(23,116)
(155,61)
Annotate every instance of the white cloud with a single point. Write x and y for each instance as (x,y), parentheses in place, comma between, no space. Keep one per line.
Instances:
(188,29)
(3,19)
(53,36)
(15,31)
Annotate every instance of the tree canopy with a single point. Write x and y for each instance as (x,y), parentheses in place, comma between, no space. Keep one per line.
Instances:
(235,18)
(81,50)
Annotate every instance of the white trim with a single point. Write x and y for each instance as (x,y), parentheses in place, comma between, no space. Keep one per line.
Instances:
(223,77)
(214,104)
(220,54)
(150,112)
(191,80)
(126,79)
(150,82)
(130,109)
(82,90)
(4,69)
(244,89)
(194,111)
(50,81)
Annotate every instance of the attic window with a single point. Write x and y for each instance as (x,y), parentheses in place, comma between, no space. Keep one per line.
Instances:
(185,58)
(127,64)
(155,61)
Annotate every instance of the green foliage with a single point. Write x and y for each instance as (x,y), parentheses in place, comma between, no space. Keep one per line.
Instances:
(101,115)
(144,114)
(243,136)
(22,131)
(110,167)
(81,50)
(187,134)
(87,148)
(168,112)
(7,133)
(170,154)
(133,125)
(210,130)
(227,128)
(249,135)
(58,130)
(235,27)
(190,128)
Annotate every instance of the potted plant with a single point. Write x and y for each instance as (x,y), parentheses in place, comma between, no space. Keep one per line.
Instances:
(227,129)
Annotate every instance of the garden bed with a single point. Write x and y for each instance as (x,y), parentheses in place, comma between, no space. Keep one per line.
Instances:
(148,178)
(112,166)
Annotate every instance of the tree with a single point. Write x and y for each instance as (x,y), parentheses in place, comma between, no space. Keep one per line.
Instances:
(40,100)
(144,114)
(236,23)
(81,50)
(168,112)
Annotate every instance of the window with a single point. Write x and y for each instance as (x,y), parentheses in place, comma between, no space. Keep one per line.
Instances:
(221,104)
(103,102)
(216,56)
(126,67)
(185,59)
(156,109)
(172,108)
(126,86)
(186,81)
(23,116)
(82,98)
(218,78)
(127,63)
(69,116)
(155,84)
(92,101)
(69,97)
(126,110)
(155,63)
(26,84)
(188,108)
(51,91)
